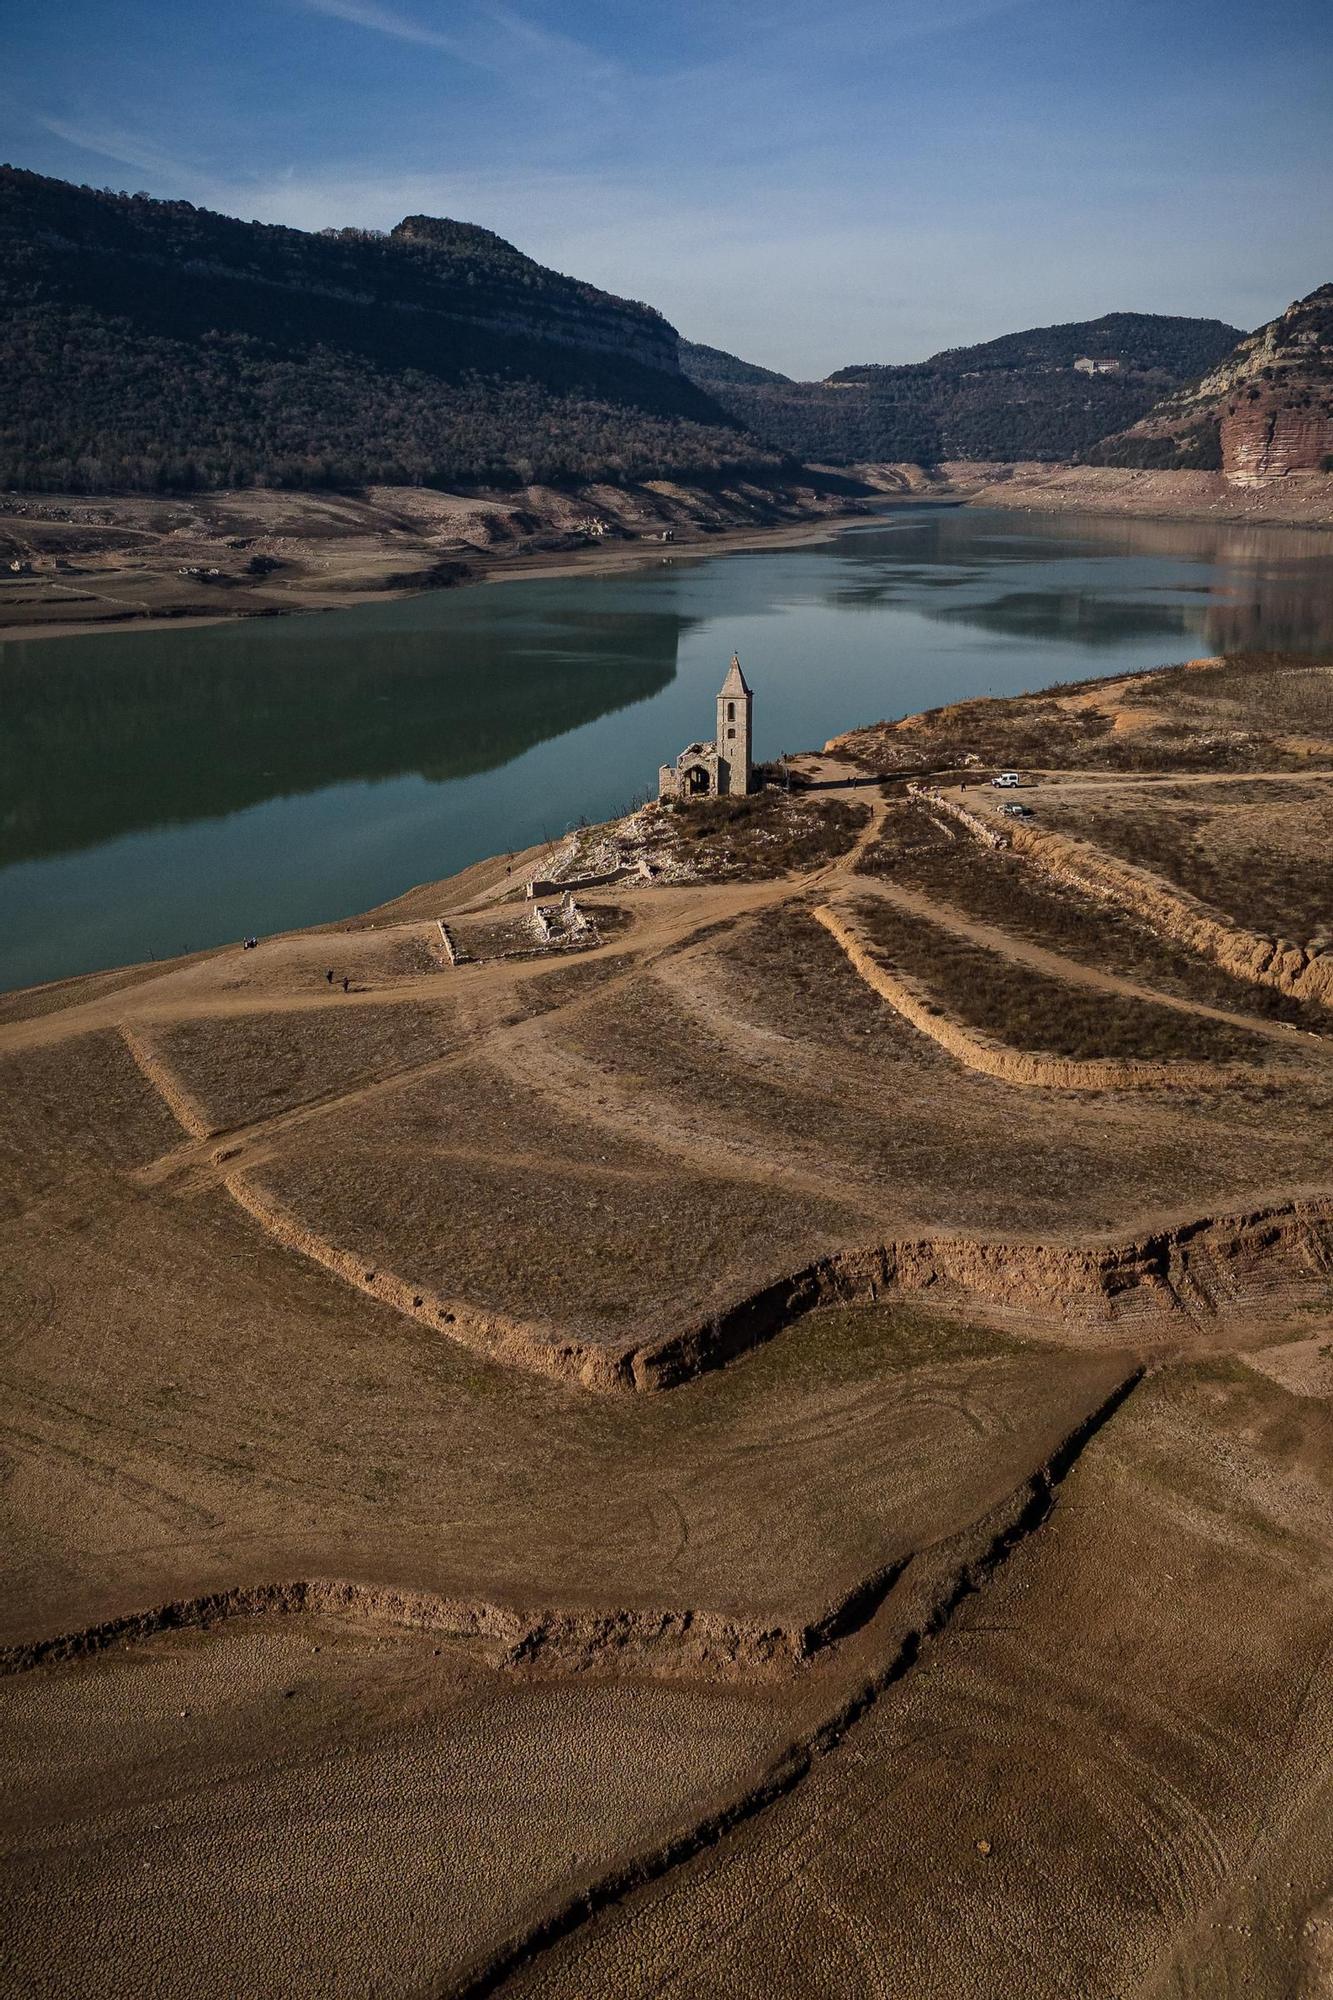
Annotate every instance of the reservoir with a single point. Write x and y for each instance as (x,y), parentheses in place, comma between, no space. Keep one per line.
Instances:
(162,790)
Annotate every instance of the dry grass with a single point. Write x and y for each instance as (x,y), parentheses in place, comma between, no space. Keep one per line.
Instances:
(1260,855)
(999,888)
(1264,691)
(1236,716)
(1025,1009)
(737,1055)
(596,1254)
(246,1067)
(767,833)
(193,1405)
(490,1110)
(80,1103)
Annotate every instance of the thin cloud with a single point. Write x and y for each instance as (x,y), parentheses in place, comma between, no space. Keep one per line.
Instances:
(128,149)
(549,44)
(385,21)
(499,39)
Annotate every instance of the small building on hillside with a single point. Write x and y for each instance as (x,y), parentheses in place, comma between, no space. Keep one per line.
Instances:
(723,768)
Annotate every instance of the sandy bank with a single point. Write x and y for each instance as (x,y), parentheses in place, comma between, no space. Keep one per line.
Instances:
(1298,501)
(96,564)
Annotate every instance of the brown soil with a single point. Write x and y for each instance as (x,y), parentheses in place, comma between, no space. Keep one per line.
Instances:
(115,559)
(571,1474)
(1251,712)
(95,563)
(752,839)
(1263,860)
(1107,1775)
(1300,500)
(994,994)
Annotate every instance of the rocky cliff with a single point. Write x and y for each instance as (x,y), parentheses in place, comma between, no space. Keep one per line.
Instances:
(1264,413)
(150,345)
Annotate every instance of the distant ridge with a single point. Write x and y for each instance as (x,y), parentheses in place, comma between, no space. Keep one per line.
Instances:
(1265,411)
(1046,393)
(153,346)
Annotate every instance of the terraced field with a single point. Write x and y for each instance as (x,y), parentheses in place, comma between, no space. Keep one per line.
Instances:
(784,1452)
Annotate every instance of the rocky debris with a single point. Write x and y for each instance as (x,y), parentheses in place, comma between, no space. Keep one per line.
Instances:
(531,933)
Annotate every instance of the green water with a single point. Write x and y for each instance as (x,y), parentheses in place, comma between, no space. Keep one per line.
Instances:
(164,790)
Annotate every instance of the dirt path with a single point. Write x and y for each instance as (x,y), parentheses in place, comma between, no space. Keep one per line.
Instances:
(1055,966)
(1082,781)
(1027,1068)
(663,918)
(213,1155)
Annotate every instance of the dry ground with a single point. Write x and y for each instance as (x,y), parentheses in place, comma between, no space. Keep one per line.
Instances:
(1300,500)
(90,562)
(647,1470)
(1262,857)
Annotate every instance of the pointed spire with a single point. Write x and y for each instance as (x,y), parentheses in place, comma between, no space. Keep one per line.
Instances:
(735,681)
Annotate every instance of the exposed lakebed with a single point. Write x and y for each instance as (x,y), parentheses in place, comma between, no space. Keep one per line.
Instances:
(170,789)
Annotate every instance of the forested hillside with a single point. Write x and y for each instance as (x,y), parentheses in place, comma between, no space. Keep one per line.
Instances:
(151,345)
(1023,396)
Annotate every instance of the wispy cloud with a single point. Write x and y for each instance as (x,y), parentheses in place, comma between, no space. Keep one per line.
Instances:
(491,37)
(128,149)
(385,21)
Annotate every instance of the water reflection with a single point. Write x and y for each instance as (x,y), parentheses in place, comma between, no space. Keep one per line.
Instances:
(127,731)
(1101,581)
(170,787)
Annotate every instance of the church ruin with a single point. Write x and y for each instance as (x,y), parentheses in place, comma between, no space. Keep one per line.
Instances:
(721,769)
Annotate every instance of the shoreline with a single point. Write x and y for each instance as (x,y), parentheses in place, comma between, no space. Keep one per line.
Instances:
(1190,499)
(495,876)
(522,567)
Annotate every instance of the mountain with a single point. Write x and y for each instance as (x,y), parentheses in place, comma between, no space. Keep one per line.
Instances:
(713,364)
(1048,393)
(151,345)
(1264,411)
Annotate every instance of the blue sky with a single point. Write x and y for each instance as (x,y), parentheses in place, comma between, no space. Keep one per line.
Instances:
(806,184)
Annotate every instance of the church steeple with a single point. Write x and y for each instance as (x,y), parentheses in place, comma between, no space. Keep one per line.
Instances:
(734,706)
(735,683)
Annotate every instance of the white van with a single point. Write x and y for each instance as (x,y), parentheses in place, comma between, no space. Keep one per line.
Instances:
(1007,780)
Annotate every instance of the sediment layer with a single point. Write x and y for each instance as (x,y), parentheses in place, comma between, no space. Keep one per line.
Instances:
(1191,1273)
(511,1342)
(929,1591)
(675,1640)
(187,1113)
(1210,1269)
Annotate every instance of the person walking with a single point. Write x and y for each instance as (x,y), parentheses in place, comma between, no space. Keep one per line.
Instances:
(329,975)
(346,984)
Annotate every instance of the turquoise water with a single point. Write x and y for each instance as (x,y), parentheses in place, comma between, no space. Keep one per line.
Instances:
(165,790)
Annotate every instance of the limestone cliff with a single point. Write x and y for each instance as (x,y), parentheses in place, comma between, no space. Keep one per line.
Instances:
(1263,413)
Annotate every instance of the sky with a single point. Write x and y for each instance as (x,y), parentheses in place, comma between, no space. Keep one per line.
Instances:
(807,183)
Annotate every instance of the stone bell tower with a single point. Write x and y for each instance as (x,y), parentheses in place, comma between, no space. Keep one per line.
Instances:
(734,725)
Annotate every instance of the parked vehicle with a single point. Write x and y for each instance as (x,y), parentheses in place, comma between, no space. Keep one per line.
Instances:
(1006,780)
(1018,812)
